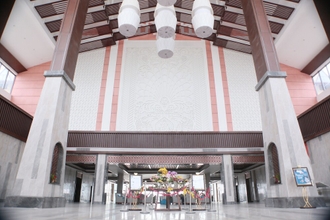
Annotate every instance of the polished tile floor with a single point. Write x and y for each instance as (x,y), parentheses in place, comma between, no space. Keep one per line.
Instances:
(76,211)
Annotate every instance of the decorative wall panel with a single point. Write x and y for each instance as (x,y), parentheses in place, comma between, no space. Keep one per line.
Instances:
(248,159)
(244,99)
(164,94)
(165,159)
(71,158)
(85,98)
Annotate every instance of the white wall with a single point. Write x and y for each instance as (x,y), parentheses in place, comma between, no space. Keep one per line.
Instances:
(319,153)
(159,94)
(244,100)
(85,99)
(11,151)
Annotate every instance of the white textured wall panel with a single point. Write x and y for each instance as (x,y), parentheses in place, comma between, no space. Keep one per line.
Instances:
(244,99)
(164,94)
(85,98)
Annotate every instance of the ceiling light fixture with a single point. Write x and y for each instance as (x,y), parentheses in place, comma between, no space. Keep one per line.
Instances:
(129,17)
(165,46)
(165,20)
(202,18)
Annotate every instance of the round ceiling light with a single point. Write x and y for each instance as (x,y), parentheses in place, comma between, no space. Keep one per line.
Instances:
(129,17)
(165,20)
(202,18)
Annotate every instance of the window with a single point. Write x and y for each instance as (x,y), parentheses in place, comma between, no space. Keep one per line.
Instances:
(7,78)
(274,165)
(57,161)
(322,79)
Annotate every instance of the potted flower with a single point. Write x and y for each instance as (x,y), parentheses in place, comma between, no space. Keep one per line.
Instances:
(52,178)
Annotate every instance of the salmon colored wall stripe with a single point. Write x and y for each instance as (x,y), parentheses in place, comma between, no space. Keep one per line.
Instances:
(116,87)
(225,89)
(102,89)
(212,87)
(301,89)
(27,87)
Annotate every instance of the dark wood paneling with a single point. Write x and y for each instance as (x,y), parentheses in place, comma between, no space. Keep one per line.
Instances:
(316,120)
(323,9)
(11,60)
(324,13)
(317,61)
(13,120)
(5,10)
(165,139)
(67,47)
(261,40)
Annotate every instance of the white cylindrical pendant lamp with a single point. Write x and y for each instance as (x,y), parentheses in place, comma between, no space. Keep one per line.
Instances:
(202,18)
(165,47)
(166,2)
(165,20)
(129,17)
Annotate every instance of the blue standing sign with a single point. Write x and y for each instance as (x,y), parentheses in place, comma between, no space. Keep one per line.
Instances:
(301,176)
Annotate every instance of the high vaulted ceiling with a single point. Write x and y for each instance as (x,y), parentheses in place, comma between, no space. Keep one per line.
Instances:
(101,25)
(34,25)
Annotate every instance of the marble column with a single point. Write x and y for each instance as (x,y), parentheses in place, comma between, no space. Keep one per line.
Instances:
(279,121)
(101,177)
(207,184)
(227,178)
(33,187)
(254,185)
(120,183)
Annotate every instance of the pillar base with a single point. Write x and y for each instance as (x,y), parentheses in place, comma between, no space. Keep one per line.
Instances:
(34,202)
(294,202)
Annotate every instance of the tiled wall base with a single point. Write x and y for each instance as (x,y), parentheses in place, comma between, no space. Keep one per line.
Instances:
(294,202)
(35,202)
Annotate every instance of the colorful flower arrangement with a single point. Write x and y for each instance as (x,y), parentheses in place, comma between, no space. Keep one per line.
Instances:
(53,178)
(168,180)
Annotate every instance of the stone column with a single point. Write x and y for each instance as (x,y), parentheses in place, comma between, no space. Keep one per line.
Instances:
(101,171)
(120,183)
(227,178)
(279,121)
(207,185)
(33,187)
(255,186)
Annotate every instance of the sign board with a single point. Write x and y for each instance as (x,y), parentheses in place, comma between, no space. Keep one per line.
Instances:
(135,182)
(198,182)
(301,176)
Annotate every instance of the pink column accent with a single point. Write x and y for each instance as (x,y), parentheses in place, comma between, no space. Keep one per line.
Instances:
(212,87)
(116,87)
(225,89)
(102,89)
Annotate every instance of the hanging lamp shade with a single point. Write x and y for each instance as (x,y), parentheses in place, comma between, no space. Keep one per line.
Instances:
(166,2)
(202,18)
(165,46)
(129,17)
(165,20)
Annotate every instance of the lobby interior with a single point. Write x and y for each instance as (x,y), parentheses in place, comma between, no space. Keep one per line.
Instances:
(90,108)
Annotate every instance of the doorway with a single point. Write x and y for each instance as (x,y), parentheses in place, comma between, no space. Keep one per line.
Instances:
(248,190)
(77,191)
